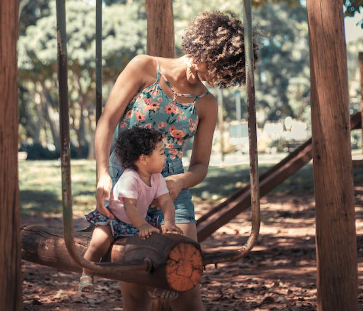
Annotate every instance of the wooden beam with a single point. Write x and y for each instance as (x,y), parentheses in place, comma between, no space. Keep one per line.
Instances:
(357,163)
(177,262)
(10,269)
(336,249)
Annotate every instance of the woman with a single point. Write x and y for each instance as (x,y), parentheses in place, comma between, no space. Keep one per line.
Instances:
(168,94)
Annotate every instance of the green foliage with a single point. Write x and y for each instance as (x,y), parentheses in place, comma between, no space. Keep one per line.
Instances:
(352,7)
(123,38)
(282,75)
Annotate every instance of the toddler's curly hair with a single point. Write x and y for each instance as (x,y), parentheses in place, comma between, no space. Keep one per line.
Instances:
(218,39)
(133,142)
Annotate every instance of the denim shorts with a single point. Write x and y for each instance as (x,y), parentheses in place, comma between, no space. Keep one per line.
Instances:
(184,207)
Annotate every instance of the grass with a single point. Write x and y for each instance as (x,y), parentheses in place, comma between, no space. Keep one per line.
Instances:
(40,184)
(41,189)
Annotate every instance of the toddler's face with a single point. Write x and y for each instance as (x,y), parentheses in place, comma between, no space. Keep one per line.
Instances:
(157,159)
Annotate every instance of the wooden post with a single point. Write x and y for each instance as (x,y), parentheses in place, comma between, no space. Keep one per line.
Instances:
(336,248)
(10,270)
(160,42)
(160,28)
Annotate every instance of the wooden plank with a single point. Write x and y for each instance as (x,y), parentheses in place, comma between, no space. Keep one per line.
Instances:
(336,250)
(10,269)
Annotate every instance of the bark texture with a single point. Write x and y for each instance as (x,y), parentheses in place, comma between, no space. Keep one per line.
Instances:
(336,249)
(10,271)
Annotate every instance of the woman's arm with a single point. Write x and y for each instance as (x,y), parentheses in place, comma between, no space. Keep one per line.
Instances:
(207,110)
(134,77)
(167,207)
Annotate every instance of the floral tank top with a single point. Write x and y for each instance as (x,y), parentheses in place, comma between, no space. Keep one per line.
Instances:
(153,108)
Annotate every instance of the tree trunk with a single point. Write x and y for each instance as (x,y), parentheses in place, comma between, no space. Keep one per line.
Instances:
(336,250)
(160,28)
(10,270)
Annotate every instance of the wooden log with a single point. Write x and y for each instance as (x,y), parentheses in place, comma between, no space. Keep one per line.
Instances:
(177,262)
(336,244)
(10,266)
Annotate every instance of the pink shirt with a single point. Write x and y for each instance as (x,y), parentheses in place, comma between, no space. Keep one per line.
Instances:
(131,186)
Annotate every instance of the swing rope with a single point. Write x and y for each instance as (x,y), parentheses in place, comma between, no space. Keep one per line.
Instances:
(143,265)
(223,256)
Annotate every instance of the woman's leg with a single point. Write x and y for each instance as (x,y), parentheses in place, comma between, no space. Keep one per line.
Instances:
(135,297)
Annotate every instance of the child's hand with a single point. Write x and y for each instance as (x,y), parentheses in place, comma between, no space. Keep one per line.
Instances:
(170,227)
(146,230)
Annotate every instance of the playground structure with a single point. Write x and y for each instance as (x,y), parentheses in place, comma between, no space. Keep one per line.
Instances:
(333,187)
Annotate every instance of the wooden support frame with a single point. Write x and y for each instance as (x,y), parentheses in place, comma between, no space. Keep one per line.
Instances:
(336,248)
(10,269)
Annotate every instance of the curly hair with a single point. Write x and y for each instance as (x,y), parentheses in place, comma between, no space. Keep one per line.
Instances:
(133,142)
(218,39)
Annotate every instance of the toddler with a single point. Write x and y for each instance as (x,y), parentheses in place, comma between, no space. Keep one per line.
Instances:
(141,153)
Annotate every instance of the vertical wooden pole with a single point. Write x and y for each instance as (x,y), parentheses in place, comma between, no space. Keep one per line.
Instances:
(160,28)
(336,248)
(160,42)
(10,270)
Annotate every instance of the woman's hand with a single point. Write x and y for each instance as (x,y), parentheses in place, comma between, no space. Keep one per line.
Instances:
(174,184)
(104,187)
(171,227)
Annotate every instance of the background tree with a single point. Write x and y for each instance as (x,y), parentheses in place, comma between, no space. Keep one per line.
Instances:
(282,74)
(122,39)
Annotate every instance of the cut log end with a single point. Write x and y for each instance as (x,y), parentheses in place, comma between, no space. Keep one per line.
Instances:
(184,267)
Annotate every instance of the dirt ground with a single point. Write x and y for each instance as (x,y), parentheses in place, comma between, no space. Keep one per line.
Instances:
(279,273)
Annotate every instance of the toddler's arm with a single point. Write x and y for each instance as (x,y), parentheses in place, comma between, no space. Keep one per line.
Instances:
(145,229)
(167,207)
